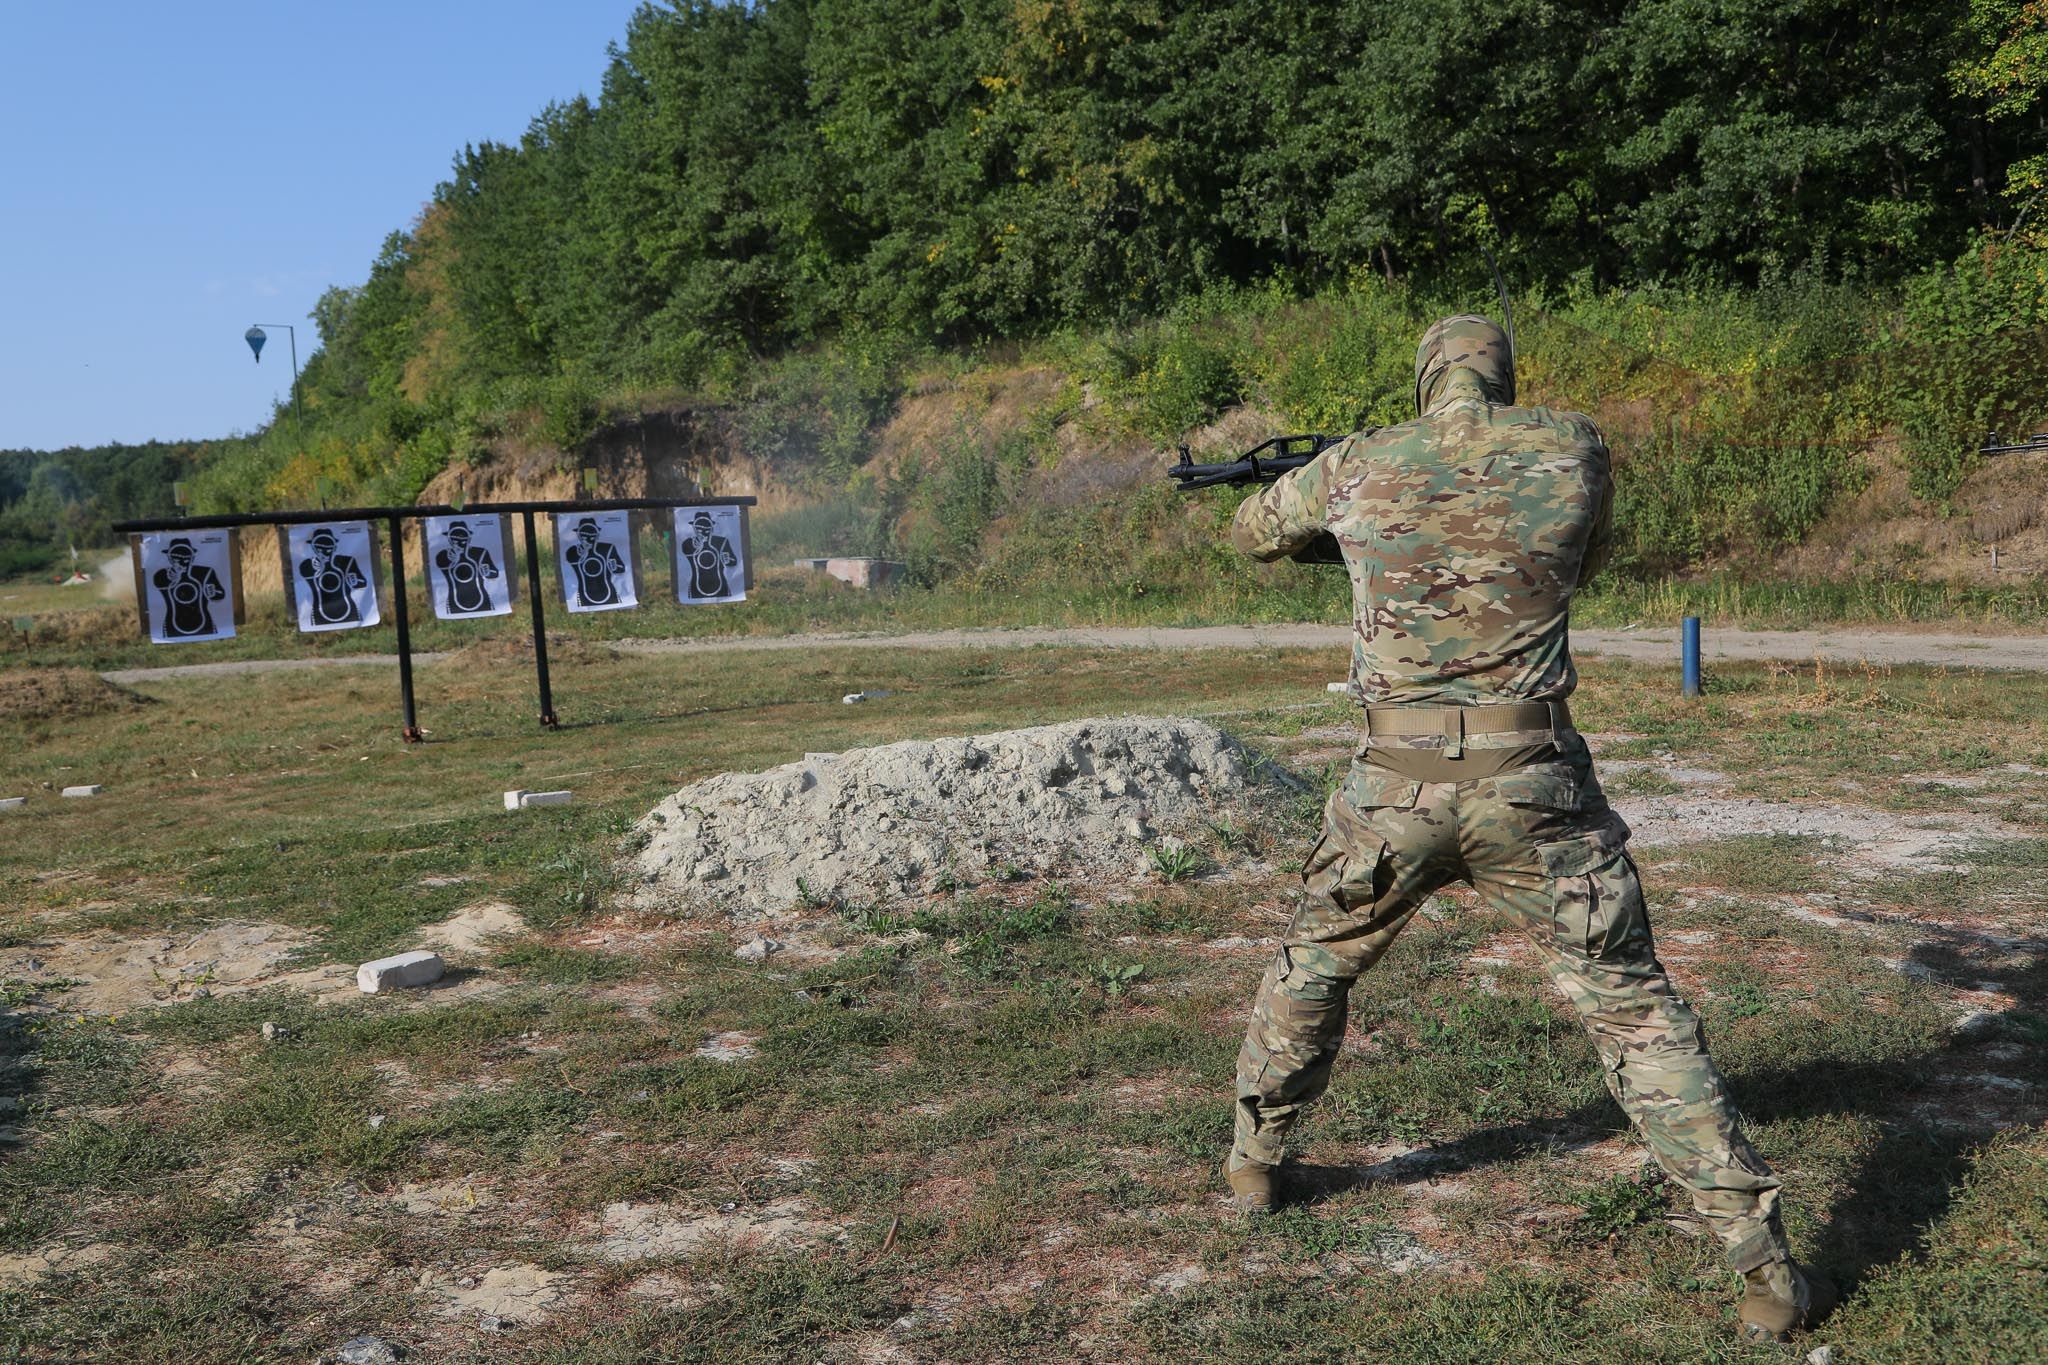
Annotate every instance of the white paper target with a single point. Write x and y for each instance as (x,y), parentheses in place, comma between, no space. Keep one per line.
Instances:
(333,568)
(188,586)
(594,551)
(467,567)
(710,555)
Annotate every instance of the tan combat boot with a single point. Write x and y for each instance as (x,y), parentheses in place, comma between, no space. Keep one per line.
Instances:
(1254,1186)
(1781,1298)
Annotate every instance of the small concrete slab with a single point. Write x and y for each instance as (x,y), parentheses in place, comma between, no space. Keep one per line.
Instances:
(860,571)
(419,968)
(13,802)
(522,800)
(89,789)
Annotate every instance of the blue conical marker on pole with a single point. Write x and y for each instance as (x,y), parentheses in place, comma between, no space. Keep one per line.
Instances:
(255,337)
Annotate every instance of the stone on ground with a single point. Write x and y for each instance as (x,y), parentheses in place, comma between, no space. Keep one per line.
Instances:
(420,968)
(366,1351)
(904,819)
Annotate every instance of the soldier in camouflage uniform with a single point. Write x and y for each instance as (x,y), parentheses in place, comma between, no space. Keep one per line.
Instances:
(1465,533)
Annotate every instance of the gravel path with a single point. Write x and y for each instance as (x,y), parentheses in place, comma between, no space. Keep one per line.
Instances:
(1841,645)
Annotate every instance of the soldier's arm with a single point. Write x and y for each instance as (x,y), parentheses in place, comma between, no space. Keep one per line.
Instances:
(1601,542)
(1286,515)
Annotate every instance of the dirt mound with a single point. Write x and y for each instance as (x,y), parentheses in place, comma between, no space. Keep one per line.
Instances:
(1884,529)
(904,819)
(34,694)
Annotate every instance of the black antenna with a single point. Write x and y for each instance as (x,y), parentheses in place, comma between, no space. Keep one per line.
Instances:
(1500,288)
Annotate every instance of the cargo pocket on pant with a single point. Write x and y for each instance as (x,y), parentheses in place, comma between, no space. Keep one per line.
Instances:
(1596,899)
(1350,878)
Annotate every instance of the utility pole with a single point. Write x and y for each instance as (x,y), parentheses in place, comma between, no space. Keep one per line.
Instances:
(255,337)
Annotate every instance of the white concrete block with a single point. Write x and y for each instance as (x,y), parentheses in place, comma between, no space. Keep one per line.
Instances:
(513,798)
(1337,687)
(90,789)
(527,799)
(419,968)
(13,802)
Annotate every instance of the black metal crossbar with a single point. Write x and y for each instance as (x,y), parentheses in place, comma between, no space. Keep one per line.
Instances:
(392,516)
(229,519)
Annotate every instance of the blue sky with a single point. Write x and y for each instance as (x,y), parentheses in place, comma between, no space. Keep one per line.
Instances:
(171,173)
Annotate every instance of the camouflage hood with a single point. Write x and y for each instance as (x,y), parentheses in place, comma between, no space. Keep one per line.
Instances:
(1470,343)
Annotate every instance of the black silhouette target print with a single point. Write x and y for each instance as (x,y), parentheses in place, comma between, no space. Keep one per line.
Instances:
(710,555)
(330,569)
(187,585)
(594,552)
(468,569)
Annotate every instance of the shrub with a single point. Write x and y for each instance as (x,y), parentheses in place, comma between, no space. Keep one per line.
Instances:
(1971,356)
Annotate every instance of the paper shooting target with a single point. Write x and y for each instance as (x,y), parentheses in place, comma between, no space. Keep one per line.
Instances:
(330,575)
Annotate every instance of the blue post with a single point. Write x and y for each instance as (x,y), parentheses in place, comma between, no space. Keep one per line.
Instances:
(1689,655)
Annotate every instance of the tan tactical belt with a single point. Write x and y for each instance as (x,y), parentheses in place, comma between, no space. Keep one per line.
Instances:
(1455,722)
(1451,761)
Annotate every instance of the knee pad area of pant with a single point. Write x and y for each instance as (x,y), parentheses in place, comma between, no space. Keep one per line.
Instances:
(1298,982)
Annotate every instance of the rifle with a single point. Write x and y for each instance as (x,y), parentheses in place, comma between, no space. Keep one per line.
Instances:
(1289,453)
(1993,445)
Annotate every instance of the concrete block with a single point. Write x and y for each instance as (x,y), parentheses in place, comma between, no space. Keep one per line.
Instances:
(814,565)
(1337,687)
(13,802)
(527,799)
(90,789)
(513,798)
(419,968)
(863,572)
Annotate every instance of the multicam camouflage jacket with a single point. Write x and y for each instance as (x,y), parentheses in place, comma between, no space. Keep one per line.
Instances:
(1465,531)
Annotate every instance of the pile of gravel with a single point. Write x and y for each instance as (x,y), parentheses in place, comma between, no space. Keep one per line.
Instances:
(903,819)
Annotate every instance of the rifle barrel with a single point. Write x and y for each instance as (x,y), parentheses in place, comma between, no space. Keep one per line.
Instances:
(1994,446)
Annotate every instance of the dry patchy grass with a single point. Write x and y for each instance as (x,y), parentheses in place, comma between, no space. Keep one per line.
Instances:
(986,1126)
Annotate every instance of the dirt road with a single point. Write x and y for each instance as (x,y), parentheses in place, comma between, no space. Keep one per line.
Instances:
(1843,645)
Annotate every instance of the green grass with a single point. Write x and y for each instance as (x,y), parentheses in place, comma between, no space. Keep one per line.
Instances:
(1008,1101)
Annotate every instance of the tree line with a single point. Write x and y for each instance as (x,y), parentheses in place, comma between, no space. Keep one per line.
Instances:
(753,176)
(51,501)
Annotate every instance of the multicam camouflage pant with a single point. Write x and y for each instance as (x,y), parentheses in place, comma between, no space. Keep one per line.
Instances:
(1540,843)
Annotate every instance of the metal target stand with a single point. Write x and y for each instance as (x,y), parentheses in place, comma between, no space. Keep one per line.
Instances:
(393,519)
